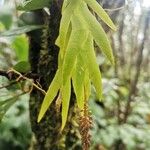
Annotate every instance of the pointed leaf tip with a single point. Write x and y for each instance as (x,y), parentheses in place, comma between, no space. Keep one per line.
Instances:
(65,92)
(50,95)
(101,13)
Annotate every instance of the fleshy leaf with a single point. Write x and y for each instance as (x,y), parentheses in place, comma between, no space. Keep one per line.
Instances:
(75,43)
(97,32)
(61,53)
(92,66)
(51,94)
(78,81)
(100,12)
(66,92)
(65,21)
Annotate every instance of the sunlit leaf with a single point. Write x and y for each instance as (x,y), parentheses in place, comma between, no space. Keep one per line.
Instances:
(92,66)
(61,53)
(65,21)
(50,95)
(66,92)
(77,38)
(100,12)
(78,81)
(77,60)
(97,32)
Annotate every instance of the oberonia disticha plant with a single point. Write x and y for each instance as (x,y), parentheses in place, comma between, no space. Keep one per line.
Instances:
(78,31)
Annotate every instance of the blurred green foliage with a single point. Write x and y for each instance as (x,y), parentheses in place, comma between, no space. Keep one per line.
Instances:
(6,17)
(15,130)
(20,43)
(135,134)
(22,66)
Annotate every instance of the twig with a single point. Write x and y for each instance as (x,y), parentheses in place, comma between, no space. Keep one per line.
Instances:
(11,76)
(25,78)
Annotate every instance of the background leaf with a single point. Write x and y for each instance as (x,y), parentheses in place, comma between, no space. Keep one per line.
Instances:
(22,66)
(20,30)
(21,47)
(6,17)
(34,4)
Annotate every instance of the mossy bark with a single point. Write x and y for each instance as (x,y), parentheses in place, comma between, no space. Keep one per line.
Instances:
(44,63)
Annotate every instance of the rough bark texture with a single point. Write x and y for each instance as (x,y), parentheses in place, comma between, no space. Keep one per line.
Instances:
(44,62)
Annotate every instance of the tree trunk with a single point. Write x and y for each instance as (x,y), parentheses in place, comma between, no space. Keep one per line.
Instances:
(43,58)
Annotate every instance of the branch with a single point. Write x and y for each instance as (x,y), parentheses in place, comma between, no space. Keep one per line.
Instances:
(27,79)
(13,74)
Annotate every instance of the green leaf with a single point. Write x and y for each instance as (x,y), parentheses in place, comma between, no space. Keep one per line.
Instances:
(6,18)
(77,38)
(21,47)
(50,95)
(65,21)
(34,4)
(97,32)
(78,81)
(100,12)
(66,92)
(74,47)
(6,104)
(87,85)
(61,53)
(21,30)
(30,18)
(65,4)
(22,66)
(92,65)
